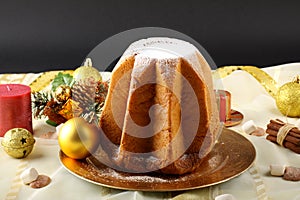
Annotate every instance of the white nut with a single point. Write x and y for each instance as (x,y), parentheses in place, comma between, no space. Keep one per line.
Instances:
(249,127)
(29,175)
(277,170)
(225,197)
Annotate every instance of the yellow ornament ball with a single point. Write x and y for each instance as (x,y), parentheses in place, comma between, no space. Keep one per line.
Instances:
(288,98)
(87,71)
(77,138)
(18,142)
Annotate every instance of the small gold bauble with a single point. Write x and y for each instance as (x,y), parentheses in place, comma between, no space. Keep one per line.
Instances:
(288,99)
(18,142)
(77,138)
(85,72)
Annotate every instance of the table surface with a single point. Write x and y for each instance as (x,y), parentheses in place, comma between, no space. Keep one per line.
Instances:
(248,97)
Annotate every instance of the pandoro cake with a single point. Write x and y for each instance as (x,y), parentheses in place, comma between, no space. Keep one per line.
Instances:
(160,113)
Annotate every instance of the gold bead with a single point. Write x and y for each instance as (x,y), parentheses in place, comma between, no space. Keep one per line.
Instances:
(85,72)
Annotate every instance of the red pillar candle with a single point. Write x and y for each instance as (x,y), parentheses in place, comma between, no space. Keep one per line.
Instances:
(224,104)
(15,107)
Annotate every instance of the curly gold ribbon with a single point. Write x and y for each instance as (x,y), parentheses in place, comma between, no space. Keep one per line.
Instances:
(261,76)
(45,79)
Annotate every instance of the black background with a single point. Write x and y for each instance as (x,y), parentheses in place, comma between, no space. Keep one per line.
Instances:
(47,35)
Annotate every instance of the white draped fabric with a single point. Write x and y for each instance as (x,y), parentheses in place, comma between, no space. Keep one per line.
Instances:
(248,97)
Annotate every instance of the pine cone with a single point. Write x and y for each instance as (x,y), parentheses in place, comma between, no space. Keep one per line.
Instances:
(84,92)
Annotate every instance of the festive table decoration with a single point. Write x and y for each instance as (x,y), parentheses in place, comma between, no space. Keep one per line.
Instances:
(18,142)
(288,173)
(79,95)
(250,128)
(87,71)
(45,79)
(277,170)
(287,96)
(286,135)
(227,115)
(224,104)
(261,76)
(77,138)
(41,181)
(64,80)
(29,175)
(15,107)
(292,173)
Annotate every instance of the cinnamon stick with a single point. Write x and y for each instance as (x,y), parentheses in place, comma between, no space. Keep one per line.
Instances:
(276,125)
(292,139)
(289,137)
(286,144)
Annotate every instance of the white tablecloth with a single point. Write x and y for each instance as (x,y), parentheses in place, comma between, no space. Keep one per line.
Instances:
(248,97)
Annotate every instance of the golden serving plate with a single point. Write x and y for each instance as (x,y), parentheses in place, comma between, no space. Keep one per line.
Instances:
(231,156)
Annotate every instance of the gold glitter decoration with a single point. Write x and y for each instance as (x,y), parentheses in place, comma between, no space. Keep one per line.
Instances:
(288,98)
(18,142)
(261,76)
(87,71)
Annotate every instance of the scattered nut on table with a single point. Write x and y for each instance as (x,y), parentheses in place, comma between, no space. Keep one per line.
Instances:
(292,174)
(250,128)
(288,173)
(32,178)
(259,132)
(41,181)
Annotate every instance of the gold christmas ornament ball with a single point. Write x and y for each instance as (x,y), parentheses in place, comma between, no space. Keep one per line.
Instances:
(85,72)
(288,99)
(18,142)
(77,138)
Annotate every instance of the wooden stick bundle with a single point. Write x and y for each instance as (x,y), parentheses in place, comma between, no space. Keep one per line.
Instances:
(291,141)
